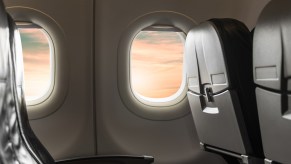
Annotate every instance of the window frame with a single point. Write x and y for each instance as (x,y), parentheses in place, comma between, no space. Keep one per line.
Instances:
(28,25)
(164,111)
(61,63)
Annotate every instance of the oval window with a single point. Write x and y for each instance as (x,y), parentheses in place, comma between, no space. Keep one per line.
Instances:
(156,63)
(37,55)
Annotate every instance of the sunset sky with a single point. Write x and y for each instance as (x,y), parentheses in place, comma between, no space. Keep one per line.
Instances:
(36,55)
(156,63)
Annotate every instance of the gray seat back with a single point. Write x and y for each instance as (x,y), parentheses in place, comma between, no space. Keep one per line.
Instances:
(221,90)
(272,72)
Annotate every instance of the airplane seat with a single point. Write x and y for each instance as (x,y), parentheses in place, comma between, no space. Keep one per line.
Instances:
(18,143)
(272,72)
(218,55)
(15,138)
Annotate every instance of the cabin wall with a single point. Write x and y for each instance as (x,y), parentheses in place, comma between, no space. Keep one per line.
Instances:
(119,130)
(92,118)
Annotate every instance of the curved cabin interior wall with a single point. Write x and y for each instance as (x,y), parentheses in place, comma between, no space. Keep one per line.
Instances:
(92,119)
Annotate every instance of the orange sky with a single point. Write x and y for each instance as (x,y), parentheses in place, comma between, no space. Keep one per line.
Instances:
(156,63)
(36,55)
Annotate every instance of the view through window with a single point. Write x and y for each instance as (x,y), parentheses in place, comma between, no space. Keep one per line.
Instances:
(157,63)
(37,62)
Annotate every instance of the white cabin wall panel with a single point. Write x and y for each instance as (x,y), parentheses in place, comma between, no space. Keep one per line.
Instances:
(69,132)
(249,11)
(120,131)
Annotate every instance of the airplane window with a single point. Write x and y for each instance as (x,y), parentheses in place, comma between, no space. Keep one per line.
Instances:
(156,67)
(37,54)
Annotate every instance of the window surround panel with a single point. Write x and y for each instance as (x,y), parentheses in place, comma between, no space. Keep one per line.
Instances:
(169,110)
(59,92)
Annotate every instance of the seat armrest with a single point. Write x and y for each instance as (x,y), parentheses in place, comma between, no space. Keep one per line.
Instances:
(115,159)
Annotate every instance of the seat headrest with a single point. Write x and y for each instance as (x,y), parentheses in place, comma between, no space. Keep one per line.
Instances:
(272,50)
(4,45)
(16,54)
(217,44)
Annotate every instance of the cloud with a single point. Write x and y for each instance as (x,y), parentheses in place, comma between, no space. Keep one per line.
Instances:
(34,40)
(157,63)
(36,54)
(34,34)
(159,37)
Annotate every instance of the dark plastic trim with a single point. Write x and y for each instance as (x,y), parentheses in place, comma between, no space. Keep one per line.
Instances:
(118,159)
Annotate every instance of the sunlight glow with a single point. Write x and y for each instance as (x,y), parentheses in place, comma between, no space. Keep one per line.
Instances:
(37,62)
(157,63)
